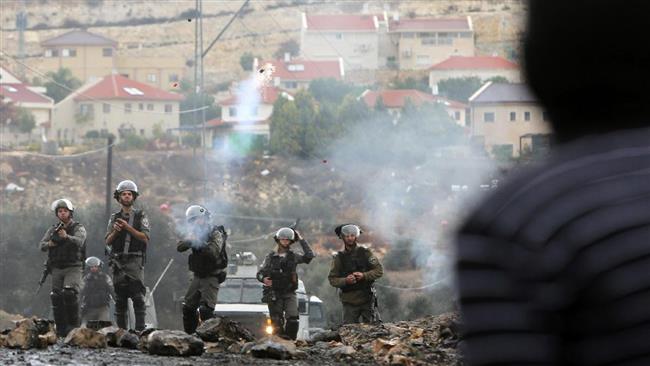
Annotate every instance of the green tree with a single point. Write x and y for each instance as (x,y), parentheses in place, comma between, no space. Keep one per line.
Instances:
(285,128)
(459,89)
(330,90)
(61,84)
(193,101)
(246,61)
(25,120)
(497,79)
(8,112)
(421,84)
(291,46)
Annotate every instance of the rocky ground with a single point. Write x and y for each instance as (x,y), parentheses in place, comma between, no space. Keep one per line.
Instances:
(426,341)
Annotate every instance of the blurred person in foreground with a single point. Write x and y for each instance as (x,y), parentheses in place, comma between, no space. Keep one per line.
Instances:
(554,268)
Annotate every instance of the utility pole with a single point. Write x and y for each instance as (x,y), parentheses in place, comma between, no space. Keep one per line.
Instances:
(21,24)
(109,171)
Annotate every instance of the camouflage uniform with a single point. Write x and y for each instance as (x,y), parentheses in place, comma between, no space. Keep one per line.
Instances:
(358,299)
(96,293)
(128,267)
(66,263)
(281,298)
(207,264)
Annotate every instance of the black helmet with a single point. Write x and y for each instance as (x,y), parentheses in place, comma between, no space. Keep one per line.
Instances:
(348,229)
(126,185)
(195,211)
(62,202)
(285,233)
(93,262)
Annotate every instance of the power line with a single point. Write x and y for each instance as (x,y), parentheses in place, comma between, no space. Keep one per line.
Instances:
(76,92)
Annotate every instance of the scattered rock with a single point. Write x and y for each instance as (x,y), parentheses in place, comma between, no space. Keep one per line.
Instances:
(223,330)
(26,334)
(325,336)
(86,338)
(340,351)
(174,343)
(274,347)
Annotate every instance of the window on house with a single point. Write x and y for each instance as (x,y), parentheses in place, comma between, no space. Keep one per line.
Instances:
(545,116)
(526,116)
(52,52)
(141,106)
(65,52)
(152,78)
(107,52)
(72,52)
(488,117)
(173,77)
(86,109)
(457,115)
(232,111)
(168,108)
(106,108)
(141,132)
(58,134)
(338,36)
(444,38)
(408,35)
(127,108)
(150,106)
(513,116)
(291,84)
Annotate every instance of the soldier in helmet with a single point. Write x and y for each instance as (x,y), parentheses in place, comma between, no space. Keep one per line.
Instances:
(353,272)
(127,237)
(278,274)
(207,263)
(65,244)
(96,292)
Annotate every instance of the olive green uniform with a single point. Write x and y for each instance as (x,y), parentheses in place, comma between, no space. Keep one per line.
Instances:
(358,299)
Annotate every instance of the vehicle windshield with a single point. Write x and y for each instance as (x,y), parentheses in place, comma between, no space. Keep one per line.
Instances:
(240,291)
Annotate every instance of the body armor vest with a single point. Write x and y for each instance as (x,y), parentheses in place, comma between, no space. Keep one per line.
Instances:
(65,253)
(136,246)
(283,272)
(96,290)
(204,263)
(355,262)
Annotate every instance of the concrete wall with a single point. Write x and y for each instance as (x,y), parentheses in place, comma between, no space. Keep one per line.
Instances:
(416,53)
(359,50)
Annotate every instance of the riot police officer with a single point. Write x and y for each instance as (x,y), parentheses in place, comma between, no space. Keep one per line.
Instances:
(65,244)
(207,263)
(278,274)
(353,272)
(127,238)
(96,292)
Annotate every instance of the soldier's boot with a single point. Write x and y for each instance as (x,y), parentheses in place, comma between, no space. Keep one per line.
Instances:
(291,328)
(71,302)
(190,319)
(58,309)
(120,312)
(206,312)
(140,312)
(278,325)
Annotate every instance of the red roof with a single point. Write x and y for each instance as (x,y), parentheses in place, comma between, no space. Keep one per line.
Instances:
(119,87)
(396,98)
(217,122)
(19,93)
(269,95)
(341,22)
(474,63)
(305,70)
(430,24)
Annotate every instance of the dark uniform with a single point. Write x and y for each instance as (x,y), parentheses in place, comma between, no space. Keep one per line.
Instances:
(96,294)
(65,260)
(127,258)
(206,262)
(281,297)
(358,299)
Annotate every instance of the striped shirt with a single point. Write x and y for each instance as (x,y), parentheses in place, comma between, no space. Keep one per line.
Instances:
(554,268)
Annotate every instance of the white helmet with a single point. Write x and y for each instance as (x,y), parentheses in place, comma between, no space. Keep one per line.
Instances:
(195,211)
(285,233)
(93,262)
(126,185)
(62,202)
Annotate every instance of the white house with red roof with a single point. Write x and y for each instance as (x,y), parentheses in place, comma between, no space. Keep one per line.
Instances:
(253,118)
(394,101)
(354,38)
(423,41)
(483,67)
(118,105)
(293,74)
(32,99)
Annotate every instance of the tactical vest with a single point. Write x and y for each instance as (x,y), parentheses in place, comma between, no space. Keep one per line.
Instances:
(204,263)
(136,246)
(355,262)
(96,290)
(66,253)
(283,272)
